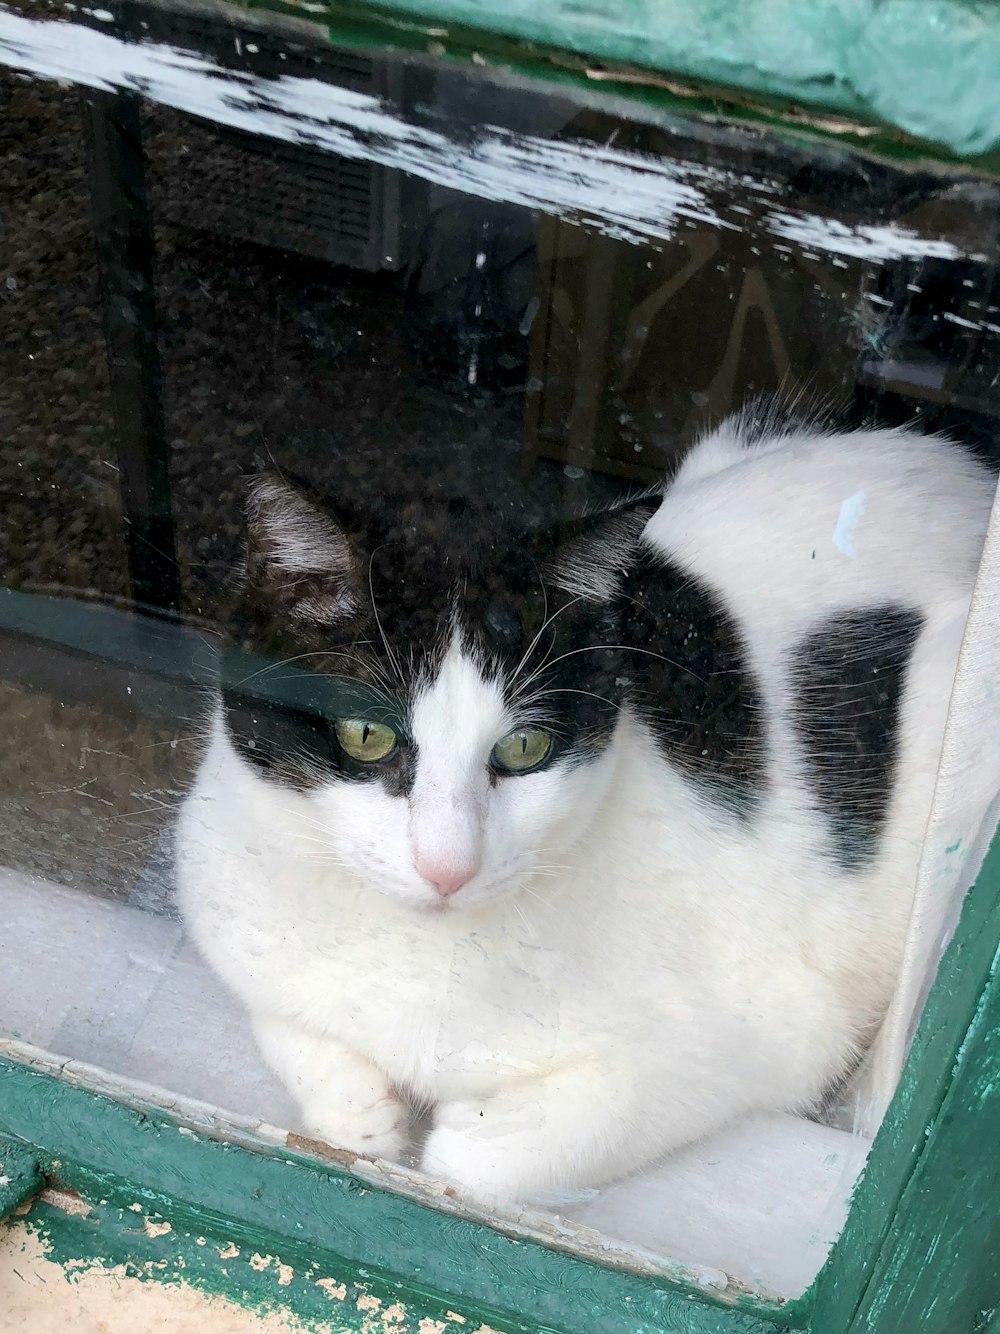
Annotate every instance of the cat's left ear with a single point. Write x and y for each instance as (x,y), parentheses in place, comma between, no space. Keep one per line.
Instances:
(297,552)
(598,550)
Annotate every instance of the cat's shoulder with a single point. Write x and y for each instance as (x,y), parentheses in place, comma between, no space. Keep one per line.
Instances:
(764,443)
(797,514)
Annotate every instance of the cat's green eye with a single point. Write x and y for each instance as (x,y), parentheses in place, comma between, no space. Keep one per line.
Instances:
(517,752)
(363,740)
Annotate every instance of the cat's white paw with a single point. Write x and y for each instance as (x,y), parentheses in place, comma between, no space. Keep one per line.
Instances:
(346,1100)
(489,1148)
(361,1112)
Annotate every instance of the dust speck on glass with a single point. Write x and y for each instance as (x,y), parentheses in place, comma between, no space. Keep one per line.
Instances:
(483,577)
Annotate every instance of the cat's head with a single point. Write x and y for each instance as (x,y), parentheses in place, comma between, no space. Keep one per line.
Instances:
(442,699)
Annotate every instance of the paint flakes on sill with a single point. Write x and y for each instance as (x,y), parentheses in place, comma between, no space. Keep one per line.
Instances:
(229,1252)
(66,1200)
(156,1229)
(334,1290)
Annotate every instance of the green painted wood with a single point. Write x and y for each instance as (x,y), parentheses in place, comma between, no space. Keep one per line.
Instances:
(922,1173)
(939,1271)
(930,69)
(20,1175)
(113,1230)
(107,1150)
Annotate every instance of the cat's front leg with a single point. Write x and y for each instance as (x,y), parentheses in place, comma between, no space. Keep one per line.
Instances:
(345,1099)
(561,1132)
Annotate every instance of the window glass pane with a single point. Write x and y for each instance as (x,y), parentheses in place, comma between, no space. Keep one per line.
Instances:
(386,758)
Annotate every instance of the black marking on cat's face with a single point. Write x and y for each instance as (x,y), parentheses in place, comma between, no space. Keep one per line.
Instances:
(280,717)
(849,679)
(374,603)
(691,681)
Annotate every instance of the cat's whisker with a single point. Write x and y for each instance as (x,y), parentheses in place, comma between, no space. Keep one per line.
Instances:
(617,648)
(315,824)
(390,654)
(148,810)
(520,912)
(186,740)
(273,667)
(575,690)
(546,622)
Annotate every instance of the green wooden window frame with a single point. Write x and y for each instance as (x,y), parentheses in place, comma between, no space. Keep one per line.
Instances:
(281,1224)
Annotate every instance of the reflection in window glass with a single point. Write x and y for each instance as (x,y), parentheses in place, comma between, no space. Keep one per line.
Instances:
(393,753)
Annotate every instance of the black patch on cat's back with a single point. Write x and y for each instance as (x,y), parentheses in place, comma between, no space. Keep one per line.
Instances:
(849,676)
(690,679)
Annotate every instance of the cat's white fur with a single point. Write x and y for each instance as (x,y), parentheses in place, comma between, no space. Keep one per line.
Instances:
(626,967)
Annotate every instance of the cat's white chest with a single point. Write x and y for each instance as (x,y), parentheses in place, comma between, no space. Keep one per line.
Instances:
(444,1009)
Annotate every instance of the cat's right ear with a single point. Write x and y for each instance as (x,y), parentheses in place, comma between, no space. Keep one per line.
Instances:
(296,554)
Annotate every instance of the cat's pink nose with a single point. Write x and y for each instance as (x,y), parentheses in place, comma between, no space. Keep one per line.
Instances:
(446,878)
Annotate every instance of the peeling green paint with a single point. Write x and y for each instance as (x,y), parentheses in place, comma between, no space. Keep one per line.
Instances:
(265,1275)
(934,1169)
(283,1203)
(20,1176)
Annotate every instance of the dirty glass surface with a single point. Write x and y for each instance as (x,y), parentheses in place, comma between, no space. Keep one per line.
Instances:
(388,278)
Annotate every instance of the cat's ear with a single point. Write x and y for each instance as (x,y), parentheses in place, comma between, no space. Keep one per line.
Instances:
(597,550)
(298,553)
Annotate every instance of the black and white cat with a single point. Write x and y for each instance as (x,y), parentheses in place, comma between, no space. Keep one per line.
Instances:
(589,843)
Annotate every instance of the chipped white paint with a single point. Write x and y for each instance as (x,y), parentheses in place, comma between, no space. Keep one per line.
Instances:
(630,196)
(626,195)
(870,241)
(961,321)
